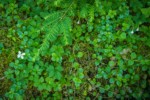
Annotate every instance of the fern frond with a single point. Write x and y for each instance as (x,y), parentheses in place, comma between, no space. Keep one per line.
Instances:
(84,11)
(52,30)
(91,13)
(55,24)
(65,29)
(51,19)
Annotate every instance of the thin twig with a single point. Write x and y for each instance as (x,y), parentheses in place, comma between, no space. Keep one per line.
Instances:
(2,78)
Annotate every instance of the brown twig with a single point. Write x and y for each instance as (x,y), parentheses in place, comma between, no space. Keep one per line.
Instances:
(2,78)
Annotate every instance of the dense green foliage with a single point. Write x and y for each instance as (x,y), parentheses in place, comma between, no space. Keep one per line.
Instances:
(74,49)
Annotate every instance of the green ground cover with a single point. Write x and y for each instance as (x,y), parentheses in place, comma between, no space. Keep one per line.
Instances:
(74,49)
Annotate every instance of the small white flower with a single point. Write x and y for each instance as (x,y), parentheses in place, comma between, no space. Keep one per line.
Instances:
(20,55)
(132,32)
(78,22)
(137,29)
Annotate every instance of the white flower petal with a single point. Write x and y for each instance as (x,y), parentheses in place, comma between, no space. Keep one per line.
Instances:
(22,57)
(19,52)
(18,56)
(137,29)
(78,22)
(23,54)
(132,32)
